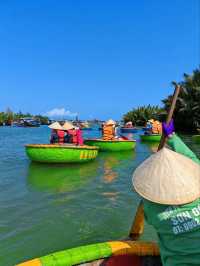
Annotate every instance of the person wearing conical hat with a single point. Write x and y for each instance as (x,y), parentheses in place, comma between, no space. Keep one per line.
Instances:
(57,133)
(55,126)
(67,125)
(169,183)
(73,134)
(109,130)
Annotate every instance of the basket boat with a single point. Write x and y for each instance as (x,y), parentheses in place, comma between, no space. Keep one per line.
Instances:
(115,253)
(60,153)
(128,130)
(151,138)
(111,145)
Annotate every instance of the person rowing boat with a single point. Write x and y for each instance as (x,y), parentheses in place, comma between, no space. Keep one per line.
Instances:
(169,183)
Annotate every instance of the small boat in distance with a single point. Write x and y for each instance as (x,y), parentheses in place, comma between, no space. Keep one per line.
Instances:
(26,122)
(128,128)
(85,126)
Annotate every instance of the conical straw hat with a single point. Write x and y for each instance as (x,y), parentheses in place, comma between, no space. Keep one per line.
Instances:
(67,125)
(169,178)
(110,122)
(55,125)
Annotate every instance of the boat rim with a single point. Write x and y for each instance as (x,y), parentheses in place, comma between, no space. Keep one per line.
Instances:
(63,146)
(150,135)
(114,141)
(128,127)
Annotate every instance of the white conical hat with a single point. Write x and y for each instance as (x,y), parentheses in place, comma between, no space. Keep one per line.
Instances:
(168,177)
(55,125)
(110,122)
(67,125)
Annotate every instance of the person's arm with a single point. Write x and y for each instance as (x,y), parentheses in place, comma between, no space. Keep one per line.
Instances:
(177,144)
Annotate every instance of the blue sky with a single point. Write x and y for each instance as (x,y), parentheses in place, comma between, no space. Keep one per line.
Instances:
(95,58)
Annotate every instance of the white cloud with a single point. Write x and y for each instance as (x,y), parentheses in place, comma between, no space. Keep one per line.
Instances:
(60,112)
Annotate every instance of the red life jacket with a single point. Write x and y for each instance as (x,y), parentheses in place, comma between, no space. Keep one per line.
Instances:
(61,135)
(73,134)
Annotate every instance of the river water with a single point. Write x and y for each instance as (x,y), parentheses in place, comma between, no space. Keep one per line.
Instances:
(47,208)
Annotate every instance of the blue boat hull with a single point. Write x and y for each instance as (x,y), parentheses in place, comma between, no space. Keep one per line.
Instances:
(128,130)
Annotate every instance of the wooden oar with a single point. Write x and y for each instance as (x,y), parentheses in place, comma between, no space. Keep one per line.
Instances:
(138,223)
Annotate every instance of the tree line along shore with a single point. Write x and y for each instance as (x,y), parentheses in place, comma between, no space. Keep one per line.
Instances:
(187,112)
(8,117)
(186,115)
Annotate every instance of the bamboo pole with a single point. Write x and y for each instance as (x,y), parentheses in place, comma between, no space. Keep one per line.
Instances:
(137,227)
(170,115)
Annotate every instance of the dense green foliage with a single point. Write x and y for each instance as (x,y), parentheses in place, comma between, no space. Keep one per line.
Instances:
(8,117)
(187,113)
(140,115)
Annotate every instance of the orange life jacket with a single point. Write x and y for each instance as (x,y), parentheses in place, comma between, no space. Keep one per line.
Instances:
(156,128)
(108,132)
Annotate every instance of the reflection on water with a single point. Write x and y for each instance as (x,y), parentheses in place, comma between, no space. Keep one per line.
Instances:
(60,178)
(112,161)
(113,164)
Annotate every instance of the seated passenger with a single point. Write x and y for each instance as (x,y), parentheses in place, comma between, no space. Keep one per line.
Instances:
(66,127)
(79,136)
(61,136)
(156,128)
(148,130)
(129,124)
(73,134)
(55,134)
(109,130)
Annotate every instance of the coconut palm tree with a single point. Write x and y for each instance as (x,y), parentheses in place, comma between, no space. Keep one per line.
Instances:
(187,113)
(139,116)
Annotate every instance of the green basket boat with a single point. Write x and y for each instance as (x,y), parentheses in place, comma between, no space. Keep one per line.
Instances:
(151,138)
(55,153)
(196,138)
(111,145)
(114,253)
